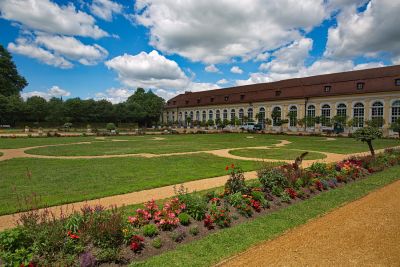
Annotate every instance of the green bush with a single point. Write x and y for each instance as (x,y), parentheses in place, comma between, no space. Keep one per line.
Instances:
(194,230)
(184,218)
(319,168)
(196,206)
(236,183)
(107,255)
(259,196)
(150,230)
(157,243)
(110,126)
(15,247)
(272,179)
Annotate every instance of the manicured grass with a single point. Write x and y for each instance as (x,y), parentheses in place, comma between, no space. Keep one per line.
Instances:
(59,181)
(278,153)
(198,142)
(228,242)
(8,143)
(170,144)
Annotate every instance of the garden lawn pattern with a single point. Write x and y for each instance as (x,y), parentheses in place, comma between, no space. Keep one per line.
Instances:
(362,233)
(274,153)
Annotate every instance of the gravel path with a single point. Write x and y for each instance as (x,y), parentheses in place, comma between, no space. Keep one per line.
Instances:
(365,232)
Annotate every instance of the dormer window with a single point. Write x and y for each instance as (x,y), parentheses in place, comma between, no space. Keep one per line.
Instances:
(397,82)
(212,99)
(168,103)
(187,102)
(360,86)
(242,97)
(198,101)
(226,98)
(327,88)
(174,102)
(278,93)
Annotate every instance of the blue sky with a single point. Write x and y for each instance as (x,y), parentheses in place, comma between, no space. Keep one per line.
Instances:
(105,49)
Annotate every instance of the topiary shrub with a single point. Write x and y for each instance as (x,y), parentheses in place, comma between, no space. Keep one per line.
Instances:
(194,230)
(157,243)
(184,218)
(367,135)
(150,230)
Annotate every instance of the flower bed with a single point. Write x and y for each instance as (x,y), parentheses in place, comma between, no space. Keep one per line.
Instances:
(97,236)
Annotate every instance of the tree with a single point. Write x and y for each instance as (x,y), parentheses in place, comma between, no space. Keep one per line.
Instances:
(395,126)
(37,108)
(11,83)
(368,134)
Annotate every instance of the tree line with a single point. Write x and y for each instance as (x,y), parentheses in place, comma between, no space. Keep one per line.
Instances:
(143,108)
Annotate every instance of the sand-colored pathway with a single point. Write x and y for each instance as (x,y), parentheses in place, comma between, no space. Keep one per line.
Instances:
(365,232)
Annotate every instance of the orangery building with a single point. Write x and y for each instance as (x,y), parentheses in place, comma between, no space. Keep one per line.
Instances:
(300,104)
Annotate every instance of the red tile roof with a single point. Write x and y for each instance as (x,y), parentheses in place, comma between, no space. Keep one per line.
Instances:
(343,83)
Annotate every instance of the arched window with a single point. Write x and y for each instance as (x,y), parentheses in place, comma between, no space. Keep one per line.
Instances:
(191,115)
(197,115)
(186,116)
(180,117)
(241,115)
(358,115)
(217,115)
(341,110)
(395,111)
(326,115)
(250,114)
(173,116)
(204,116)
(311,116)
(276,116)
(293,116)
(377,113)
(233,115)
(225,114)
(261,115)
(210,115)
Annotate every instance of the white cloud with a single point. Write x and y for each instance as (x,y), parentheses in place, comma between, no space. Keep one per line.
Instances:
(73,49)
(54,91)
(217,31)
(46,16)
(156,72)
(115,95)
(323,66)
(223,81)
(29,49)
(211,68)
(237,70)
(105,9)
(148,70)
(367,33)
(262,56)
(289,59)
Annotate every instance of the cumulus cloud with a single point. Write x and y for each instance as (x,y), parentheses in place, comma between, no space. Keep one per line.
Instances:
(211,68)
(54,91)
(29,49)
(367,33)
(154,71)
(46,16)
(237,70)
(115,95)
(73,49)
(223,81)
(217,31)
(148,70)
(105,9)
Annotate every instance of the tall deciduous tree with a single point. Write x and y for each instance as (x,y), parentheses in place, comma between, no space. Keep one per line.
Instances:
(11,83)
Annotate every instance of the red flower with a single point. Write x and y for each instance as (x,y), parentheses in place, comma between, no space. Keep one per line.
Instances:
(233,166)
(227,168)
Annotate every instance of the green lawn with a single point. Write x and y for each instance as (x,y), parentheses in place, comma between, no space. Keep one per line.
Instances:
(279,153)
(231,241)
(7,143)
(59,181)
(198,142)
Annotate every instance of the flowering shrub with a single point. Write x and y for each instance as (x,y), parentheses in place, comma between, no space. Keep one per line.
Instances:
(272,179)
(220,216)
(318,185)
(141,218)
(235,183)
(137,243)
(166,220)
(256,205)
(208,222)
(291,192)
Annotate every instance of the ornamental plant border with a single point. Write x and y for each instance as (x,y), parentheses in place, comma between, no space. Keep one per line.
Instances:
(239,203)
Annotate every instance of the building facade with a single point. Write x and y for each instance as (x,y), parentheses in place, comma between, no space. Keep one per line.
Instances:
(301,104)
